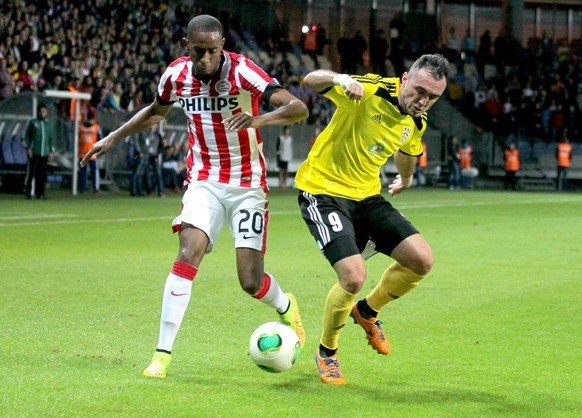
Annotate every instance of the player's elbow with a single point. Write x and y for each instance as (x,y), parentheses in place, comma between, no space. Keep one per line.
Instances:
(301,110)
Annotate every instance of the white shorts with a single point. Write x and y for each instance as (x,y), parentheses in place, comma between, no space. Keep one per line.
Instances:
(209,206)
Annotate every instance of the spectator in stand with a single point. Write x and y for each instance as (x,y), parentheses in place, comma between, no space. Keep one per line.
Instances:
(452,46)
(345,49)
(284,155)
(107,102)
(563,157)
(360,45)
(469,48)
(316,132)
(396,54)
(24,81)
(171,166)
(89,134)
(454,181)
(484,54)
(378,51)
(6,81)
(466,162)
(421,164)
(511,159)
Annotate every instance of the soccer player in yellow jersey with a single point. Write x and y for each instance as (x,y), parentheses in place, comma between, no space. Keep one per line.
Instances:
(339,194)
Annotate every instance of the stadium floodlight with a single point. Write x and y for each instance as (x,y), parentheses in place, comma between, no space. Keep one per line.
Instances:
(65,94)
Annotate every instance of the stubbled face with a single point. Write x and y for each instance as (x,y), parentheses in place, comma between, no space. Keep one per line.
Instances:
(204,49)
(419,91)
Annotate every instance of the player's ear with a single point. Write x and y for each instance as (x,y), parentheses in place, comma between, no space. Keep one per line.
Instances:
(185,43)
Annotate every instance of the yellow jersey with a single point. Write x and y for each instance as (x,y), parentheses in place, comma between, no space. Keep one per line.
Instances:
(347,156)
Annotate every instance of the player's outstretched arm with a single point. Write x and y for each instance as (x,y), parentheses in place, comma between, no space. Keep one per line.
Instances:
(142,120)
(319,80)
(289,109)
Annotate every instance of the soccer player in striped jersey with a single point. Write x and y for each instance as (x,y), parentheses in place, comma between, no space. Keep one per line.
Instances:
(219,92)
(339,194)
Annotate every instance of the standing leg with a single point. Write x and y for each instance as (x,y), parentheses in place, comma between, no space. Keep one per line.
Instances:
(193,243)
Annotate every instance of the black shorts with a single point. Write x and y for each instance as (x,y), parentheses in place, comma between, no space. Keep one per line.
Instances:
(283,165)
(343,227)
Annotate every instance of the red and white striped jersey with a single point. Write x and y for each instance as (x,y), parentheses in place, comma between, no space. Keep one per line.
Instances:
(215,154)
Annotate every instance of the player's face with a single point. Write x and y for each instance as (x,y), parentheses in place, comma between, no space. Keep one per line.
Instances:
(204,49)
(419,91)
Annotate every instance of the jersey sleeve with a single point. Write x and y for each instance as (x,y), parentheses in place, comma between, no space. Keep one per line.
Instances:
(167,84)
(413,148)
(254,79)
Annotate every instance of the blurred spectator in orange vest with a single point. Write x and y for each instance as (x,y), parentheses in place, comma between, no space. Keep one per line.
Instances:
(421,165)
(466,162)
(89,133)
(511,158)
(563,156)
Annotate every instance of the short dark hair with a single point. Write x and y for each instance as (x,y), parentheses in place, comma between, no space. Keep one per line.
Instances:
(435,64)
(205,23)
(41,106)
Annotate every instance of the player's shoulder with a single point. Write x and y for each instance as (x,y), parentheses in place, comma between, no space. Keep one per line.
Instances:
(179,62)
(389,85)
(235,58)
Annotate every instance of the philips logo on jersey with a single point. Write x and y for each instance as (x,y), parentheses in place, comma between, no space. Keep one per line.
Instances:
(208,104)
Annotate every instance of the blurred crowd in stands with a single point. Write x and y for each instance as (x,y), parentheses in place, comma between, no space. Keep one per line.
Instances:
(515,92)
(116,51)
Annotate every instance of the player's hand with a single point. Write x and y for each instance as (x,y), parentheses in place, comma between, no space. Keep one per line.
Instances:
(352,88)
(398,185)
(97,150)
(238,121)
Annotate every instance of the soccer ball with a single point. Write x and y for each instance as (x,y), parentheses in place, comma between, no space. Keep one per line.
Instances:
(274,347)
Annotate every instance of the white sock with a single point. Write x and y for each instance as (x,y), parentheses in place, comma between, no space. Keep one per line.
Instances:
(176,298)
(272,295)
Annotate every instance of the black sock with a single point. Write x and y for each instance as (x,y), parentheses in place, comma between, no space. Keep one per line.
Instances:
(365,309)
(326,352)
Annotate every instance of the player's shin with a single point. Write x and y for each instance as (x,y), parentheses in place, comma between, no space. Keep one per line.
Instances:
(175,302)
(271,294)
(337,310)
(395,282)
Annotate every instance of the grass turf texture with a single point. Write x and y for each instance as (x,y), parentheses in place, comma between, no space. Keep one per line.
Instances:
(495,330)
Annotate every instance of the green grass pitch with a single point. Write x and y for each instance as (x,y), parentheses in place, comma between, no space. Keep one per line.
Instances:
(494,331)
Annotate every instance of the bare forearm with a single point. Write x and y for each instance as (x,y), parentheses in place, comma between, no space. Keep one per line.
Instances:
(288,114)
(142,120)
(405,164)
(319,79)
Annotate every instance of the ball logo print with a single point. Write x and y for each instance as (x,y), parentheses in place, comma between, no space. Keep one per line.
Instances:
(274,347)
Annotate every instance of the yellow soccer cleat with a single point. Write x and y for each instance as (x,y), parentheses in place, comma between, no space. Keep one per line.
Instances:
(293,319)
(159,365)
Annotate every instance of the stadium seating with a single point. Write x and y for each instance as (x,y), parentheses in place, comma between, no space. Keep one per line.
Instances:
(13,160)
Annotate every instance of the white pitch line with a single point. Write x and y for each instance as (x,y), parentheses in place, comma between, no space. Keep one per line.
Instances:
(88,221)
(422,205)
(17,217)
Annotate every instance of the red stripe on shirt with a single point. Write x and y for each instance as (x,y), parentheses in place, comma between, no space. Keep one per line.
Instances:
(223,148)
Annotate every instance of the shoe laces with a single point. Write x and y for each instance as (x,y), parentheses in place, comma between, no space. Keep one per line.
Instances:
(377,330)
(332,366)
